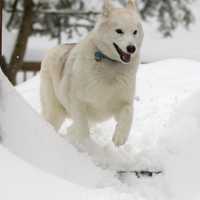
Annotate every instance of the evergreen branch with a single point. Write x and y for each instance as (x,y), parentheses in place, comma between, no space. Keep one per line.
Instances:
(58,12)
(13,11)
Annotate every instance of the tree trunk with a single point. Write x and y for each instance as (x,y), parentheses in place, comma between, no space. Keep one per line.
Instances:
(1,7)
(21,41)
(2,59)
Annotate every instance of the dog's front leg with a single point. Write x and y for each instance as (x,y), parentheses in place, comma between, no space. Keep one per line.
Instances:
(124,121)
(79,130)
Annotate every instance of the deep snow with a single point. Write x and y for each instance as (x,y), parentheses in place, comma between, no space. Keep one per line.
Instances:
(165,135)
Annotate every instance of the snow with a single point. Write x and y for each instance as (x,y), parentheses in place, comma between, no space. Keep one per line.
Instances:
(37,163)
(165,136)
(184,174)
(23,181)
(54,151)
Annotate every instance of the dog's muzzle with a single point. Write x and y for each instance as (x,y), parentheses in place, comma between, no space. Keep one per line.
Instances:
(125,57)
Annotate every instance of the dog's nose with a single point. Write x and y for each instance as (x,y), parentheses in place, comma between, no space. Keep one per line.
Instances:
(131,48)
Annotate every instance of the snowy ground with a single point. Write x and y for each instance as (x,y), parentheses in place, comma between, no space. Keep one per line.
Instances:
(165,136)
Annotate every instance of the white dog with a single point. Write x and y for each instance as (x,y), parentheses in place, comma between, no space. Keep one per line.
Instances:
(95,80)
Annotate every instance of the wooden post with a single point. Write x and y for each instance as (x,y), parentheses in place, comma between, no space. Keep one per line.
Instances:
(1,7)
(2,59)
(25,31)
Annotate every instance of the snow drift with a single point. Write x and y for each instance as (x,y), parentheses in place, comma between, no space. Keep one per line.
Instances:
(165,134)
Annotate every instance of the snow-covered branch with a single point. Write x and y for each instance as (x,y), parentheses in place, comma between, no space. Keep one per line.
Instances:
(59,12)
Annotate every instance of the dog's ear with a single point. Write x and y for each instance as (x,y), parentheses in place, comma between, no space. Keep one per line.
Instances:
(107,7)
(132,4)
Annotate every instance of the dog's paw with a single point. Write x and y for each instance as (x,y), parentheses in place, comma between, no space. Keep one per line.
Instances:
(119,139)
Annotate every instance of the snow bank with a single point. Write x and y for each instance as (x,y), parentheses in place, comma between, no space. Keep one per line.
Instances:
(165,134)
(182,140)
(25,133)
(20,180)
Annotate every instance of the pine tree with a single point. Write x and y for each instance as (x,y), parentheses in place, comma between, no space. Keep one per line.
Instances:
(169,13)
(43,17)
(54,17)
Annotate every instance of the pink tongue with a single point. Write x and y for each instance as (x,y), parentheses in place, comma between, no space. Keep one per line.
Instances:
(126,57)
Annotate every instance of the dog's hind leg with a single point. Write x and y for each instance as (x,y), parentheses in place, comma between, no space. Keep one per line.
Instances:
(51,108)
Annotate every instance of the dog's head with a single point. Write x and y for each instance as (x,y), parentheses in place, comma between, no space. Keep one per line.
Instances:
(119,32)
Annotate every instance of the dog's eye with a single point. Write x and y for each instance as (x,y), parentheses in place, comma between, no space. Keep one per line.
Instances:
(135,32)
(119,31)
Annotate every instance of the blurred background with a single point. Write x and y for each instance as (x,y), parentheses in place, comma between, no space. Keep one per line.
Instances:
(31,27)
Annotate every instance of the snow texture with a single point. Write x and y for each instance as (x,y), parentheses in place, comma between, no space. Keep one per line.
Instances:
(165,136)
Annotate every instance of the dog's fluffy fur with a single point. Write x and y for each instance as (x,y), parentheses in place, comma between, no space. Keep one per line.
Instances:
(75,85)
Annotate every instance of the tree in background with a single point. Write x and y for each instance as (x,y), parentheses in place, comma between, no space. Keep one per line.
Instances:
(51,18)
(168,13)
(54,17)
(25,30)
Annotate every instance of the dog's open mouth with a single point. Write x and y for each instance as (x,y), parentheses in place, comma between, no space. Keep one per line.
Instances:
(125,57)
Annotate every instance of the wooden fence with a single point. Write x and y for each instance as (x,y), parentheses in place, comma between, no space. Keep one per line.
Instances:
(27,67)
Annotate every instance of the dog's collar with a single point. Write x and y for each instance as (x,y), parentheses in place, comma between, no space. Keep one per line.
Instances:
(99,56)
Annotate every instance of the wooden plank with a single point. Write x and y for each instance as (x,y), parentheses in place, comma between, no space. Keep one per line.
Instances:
(3,64)
(1,7)
(2,59)
(30,66)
